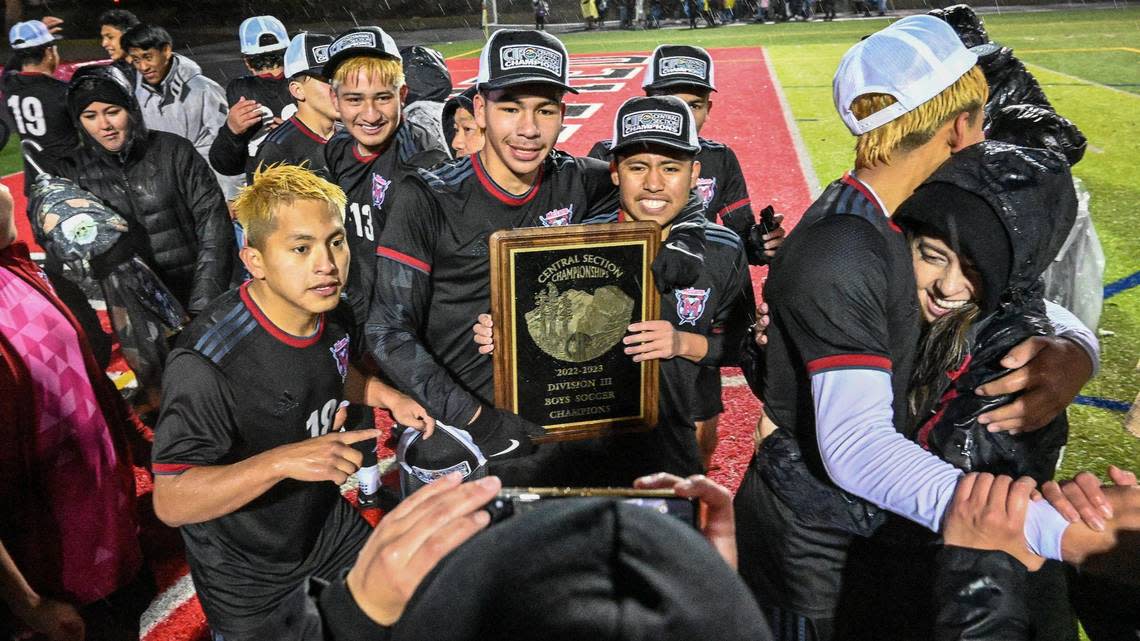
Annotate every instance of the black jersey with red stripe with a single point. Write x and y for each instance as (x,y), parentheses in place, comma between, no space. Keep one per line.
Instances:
(237,386)
(433,274)
(721,185)
(842,296)
(293,143)
(37,105)
(369,183)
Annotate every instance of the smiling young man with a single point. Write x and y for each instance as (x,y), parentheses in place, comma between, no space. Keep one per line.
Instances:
(433,272)
(113,23)
(246,461)
(174,94)
(688,73)
(835,442)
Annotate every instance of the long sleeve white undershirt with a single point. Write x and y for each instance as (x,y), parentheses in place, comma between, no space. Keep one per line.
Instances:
(866,456)
(1067,325)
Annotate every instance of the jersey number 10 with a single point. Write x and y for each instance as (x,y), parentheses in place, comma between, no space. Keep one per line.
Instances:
(29,115)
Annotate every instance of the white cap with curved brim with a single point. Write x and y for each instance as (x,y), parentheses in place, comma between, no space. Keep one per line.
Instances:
(914,60)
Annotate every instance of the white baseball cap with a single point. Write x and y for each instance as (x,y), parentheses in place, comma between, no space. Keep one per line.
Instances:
(913,60)
(307,53)
(33,33)
(262,34)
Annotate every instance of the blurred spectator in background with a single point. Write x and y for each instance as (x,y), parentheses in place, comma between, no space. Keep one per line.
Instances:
(70,561)
(113,23)
(464,135)
(258,102)
(429,83)
(541,9)
(173,94)
(589,13)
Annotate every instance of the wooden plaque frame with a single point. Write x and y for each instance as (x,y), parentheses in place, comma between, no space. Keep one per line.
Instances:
(601,271)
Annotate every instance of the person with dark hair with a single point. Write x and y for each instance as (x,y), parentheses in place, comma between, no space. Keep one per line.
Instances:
(173,94)
(464,135)
(258,102)
(113,23)
(35,100)
(70,562)
(157,182)
(36,103)
(301,139)
(432,275)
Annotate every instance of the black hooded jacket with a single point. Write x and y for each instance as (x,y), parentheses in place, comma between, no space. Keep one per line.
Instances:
(165,190)
(1031,192)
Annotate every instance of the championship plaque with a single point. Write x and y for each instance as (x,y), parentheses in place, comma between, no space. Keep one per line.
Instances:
(562,299)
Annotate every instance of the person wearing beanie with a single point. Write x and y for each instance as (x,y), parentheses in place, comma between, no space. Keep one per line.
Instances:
(834,455)
(157,181)
(982,230)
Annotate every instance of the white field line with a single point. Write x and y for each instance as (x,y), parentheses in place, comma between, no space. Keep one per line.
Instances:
(1083,81)
(790,122)
(165,604)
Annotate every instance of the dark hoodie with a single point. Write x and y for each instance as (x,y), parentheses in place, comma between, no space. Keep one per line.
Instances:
(1030,192)
(167,193)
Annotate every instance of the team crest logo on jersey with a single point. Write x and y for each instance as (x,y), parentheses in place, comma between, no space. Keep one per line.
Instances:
(340,355)
(682,65)
(379,189)
(691,304)
(557,217)
(532,56)
(706,189)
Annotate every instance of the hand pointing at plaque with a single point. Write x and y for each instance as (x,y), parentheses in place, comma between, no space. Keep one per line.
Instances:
(660,339)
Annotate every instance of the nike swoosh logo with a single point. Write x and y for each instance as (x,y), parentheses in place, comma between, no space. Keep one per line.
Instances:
(510,448)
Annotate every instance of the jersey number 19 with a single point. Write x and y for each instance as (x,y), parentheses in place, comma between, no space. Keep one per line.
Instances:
(29,115)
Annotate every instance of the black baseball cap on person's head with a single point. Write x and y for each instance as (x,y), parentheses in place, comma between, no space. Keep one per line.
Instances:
(449,449)
(307,54)
(664,121)
(361,41)
(521,57)
(673,66)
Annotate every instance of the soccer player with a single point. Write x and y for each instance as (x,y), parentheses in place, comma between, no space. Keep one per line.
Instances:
(174,94)
(833,443)
(301,139)
(433,273)
(37,102)
(377,147)
(687,72)
(256,100)
(246,459)
(655,169)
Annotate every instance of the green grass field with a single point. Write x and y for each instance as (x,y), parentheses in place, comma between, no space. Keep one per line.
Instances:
(1088,62)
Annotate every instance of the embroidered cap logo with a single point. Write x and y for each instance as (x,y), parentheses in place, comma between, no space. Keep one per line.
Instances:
(652,121)
(359,39)
(531,56)
(682,65)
